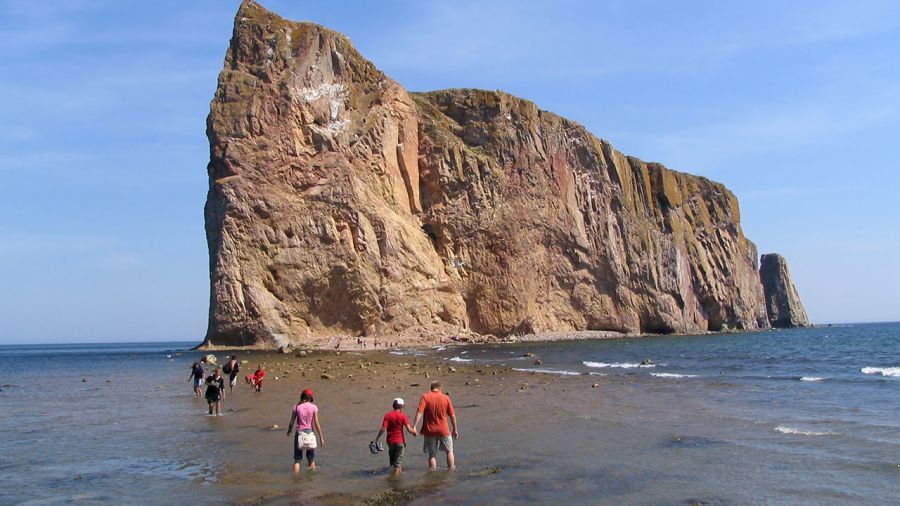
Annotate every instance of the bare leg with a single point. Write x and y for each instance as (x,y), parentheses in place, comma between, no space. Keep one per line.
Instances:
(432,461)
(296,468)
(219,413)
(210,408)
(451,461)
(396,471)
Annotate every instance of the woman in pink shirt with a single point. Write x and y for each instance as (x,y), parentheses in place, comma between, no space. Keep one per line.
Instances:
(306,414)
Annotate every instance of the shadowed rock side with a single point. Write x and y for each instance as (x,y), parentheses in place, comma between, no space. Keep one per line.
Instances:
(783,303)
(341,204)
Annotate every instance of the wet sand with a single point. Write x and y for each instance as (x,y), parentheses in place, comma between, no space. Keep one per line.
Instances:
(353,391)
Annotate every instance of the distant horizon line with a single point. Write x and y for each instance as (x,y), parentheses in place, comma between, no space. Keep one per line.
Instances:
(199,341)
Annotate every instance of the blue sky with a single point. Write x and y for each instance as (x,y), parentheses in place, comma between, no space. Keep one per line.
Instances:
(795,106)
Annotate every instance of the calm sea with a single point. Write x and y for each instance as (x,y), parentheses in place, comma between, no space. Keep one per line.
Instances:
(806,416)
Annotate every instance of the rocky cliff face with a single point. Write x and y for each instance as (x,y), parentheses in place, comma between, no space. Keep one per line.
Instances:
(341,204)
(783,303)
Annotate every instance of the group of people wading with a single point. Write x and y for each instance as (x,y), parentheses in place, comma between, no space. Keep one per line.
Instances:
(435,410)
(215,382)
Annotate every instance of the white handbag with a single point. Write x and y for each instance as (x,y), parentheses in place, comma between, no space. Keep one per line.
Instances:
(306,440)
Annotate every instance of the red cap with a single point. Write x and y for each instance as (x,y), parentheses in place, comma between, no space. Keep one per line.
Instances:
(308,393)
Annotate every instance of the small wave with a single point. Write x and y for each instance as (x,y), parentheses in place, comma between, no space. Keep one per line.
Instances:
(623,365)
(441,348)
(893,372)
(396,353)
(460,359)
(672,375)
(549,371)
(800,432)
(811,378)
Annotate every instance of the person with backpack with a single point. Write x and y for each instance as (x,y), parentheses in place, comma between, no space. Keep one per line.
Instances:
(232,368)
(196,378)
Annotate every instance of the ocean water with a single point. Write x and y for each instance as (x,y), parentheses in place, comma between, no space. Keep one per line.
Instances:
(801,416)
(805,416)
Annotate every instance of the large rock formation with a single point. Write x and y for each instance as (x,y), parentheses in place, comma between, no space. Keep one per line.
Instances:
(782,300)
(341,204)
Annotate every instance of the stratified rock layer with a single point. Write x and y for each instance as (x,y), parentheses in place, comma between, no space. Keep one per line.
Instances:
(341,204)
(783,303)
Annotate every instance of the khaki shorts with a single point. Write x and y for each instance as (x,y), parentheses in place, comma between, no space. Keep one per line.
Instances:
(395,453)
(432,443)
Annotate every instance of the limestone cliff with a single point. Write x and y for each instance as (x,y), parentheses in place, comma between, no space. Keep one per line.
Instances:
(783,303)
(341,204)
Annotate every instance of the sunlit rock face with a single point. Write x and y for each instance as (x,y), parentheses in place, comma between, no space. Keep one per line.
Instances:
(339,203)
(783,303)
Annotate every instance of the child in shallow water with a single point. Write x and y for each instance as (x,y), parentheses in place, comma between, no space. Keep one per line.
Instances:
(306,414)
(394,422)
(255,380)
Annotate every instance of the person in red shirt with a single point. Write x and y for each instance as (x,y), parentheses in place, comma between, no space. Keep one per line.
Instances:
(255,380)
(394,423)
(434,409)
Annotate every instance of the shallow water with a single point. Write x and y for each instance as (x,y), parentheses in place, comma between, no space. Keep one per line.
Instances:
(774,417)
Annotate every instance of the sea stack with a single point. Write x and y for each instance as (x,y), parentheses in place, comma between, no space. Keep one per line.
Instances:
(783,303)
(340,203)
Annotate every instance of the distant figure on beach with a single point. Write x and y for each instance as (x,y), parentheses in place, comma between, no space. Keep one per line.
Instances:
(306,414)
(434,409)
(394,422)
(196,377)
(255,380)
(215,391)
(232,368)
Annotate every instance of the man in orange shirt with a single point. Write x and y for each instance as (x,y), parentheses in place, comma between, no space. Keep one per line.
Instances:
(435,407)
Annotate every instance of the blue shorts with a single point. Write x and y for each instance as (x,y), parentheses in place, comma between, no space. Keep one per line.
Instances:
(198,382)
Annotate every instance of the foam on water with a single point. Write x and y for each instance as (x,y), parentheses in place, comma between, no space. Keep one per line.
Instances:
(549,371)
(460,359)
(672,375)
(893,372)
(623,365)
(801,432)
(811,378)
